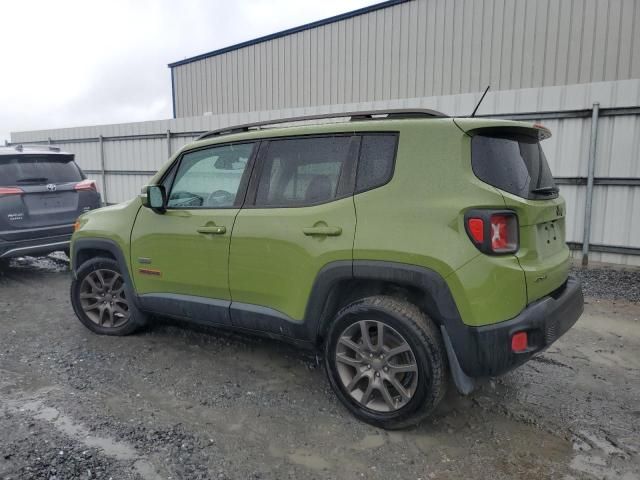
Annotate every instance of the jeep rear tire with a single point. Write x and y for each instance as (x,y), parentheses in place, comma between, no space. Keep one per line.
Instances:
(100,299)
(386,362)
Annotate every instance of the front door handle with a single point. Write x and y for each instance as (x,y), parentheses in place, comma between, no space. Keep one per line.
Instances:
(323,231)
(213,230)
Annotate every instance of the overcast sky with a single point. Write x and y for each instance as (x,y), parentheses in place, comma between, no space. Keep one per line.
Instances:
(70,63)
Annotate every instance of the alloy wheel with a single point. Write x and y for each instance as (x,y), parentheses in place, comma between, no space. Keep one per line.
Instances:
(103,299)
(376,366)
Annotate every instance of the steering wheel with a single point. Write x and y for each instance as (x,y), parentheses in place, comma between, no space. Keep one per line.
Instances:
(182,198)
(220,197)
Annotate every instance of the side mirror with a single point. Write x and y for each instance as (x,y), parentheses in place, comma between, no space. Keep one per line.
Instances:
(155,198)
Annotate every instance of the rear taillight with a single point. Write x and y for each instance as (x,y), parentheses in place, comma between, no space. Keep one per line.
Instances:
(493,231)
(87,185)
(10,191)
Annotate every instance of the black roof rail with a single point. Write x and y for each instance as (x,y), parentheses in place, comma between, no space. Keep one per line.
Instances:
(399,113)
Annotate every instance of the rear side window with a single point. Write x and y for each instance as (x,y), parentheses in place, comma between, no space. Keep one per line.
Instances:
(306,171)
(514,163)
(38,169)
(377,159)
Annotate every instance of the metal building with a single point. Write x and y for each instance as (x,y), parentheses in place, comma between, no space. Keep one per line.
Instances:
(416,48)
(573,64)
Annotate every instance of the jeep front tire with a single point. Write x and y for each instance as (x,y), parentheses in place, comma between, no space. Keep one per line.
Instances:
(100,301)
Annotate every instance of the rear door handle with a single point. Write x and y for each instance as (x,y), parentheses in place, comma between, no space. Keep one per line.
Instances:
(325,231)
(213,230)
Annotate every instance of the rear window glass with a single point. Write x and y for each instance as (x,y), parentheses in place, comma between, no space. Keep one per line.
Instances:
(38,169)
(377,156)
(513,163)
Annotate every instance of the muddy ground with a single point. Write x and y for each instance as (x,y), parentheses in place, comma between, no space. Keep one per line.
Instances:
(179,402)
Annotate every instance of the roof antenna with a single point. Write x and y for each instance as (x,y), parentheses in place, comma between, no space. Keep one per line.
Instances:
(473,114)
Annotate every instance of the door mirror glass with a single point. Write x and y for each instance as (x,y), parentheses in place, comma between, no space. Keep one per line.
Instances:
(156,197)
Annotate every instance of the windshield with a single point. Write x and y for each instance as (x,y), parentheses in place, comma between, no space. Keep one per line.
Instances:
(514,163)
(38,169)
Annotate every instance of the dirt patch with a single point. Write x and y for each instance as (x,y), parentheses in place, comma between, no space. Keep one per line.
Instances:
(180,402)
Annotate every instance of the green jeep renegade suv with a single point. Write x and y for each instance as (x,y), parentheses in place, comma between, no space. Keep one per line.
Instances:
(408,246)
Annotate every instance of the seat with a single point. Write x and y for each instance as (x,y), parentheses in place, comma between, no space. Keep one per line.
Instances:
(319,189)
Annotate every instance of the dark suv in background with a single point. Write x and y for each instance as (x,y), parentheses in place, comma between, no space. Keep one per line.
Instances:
(42,193)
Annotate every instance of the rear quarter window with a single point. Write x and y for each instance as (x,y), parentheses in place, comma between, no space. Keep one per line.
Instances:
(38,169)
(377,159)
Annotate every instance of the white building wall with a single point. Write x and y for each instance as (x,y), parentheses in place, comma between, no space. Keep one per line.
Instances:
(419,48)
(615,208)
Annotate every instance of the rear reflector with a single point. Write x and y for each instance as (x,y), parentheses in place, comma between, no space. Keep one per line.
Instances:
(10,191)
(86,185)
(519,342)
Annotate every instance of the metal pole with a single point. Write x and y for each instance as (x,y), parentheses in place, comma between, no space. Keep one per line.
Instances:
(590,173)
(103,171)
(168,143)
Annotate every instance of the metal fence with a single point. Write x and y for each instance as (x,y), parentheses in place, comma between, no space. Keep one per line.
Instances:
(594,153)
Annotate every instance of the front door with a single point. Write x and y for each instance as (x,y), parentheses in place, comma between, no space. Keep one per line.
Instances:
(301,218)
(180,257)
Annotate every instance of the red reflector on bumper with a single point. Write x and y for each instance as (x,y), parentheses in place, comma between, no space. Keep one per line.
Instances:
(519,342)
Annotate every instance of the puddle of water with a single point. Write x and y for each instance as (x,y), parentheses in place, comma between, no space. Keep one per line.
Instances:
(593,458)
(117,449)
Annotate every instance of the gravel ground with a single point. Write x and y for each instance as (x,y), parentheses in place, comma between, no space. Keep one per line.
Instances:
(609,282)
(178,402)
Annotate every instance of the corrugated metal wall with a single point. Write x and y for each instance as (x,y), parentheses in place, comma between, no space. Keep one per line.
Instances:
(132,152)
(420,48)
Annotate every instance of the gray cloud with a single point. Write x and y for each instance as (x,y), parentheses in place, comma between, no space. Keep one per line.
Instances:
(77,62)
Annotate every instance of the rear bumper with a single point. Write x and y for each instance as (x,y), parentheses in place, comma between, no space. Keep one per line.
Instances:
(37,246)
(486,351)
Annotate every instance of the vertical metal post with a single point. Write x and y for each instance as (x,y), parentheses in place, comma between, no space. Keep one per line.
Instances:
(590,173)
(103,171)
(168,143)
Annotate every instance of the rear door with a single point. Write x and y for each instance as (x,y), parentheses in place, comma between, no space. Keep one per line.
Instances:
(514,162)
(42,195)
(298,218)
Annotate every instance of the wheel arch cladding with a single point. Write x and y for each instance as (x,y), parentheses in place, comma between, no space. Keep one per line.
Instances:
(423,286)
(86,248)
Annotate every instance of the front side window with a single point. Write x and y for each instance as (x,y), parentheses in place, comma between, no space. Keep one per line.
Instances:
(210,178)
(306,171)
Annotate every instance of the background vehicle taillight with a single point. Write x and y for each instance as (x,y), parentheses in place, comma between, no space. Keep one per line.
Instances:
(87,185)
(10,191)
(493,232)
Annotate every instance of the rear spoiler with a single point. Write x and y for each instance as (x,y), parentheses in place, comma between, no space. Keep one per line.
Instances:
(473,126)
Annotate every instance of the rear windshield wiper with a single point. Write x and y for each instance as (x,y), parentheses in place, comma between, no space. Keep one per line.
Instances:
(545,190)
(32,180)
